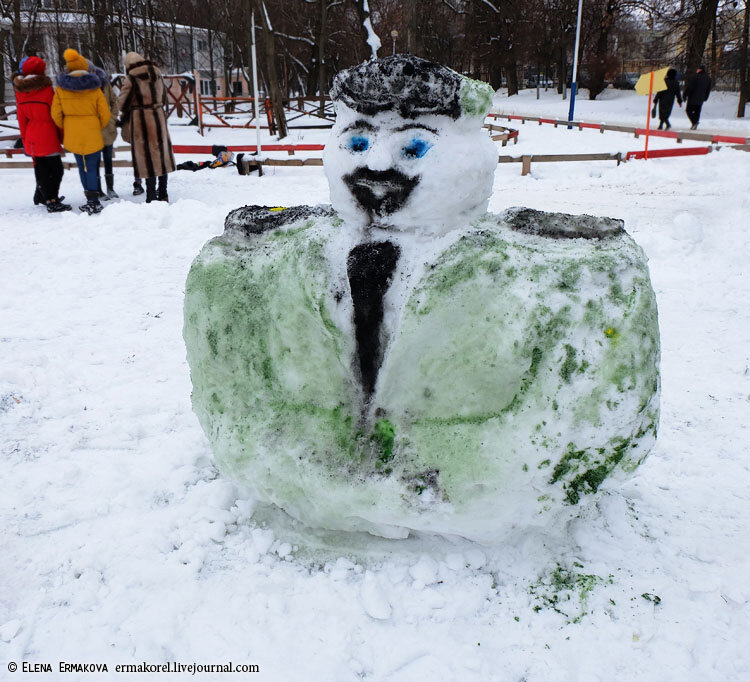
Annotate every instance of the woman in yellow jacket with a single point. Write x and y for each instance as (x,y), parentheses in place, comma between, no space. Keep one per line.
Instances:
(80,109)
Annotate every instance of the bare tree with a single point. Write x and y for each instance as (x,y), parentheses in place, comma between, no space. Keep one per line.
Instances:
(701,25)
(368,32)
(600,59)
(269,68)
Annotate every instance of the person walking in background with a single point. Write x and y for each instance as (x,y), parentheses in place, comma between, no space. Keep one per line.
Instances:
(79,108)
(142,101)
(109,132)
(40,135)
(697,90)
(665,99)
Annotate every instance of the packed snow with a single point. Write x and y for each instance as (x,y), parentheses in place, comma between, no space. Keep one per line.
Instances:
(624,107)
(405,361)
(123,544)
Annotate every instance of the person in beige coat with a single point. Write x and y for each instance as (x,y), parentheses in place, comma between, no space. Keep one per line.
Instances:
(144,124)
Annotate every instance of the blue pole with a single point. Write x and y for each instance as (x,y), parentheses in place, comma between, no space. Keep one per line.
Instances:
(572,102)
(575,66)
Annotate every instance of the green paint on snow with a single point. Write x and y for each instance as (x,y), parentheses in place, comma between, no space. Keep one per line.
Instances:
(475,97)
(501,354)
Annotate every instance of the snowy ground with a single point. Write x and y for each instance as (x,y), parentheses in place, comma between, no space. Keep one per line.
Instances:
(122,544)
(625,107)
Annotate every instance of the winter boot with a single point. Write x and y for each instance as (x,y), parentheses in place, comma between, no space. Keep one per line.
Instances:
(137,188)
(100,193)
(110,179)
(38,196)
(57,206)
(92,204)
(161,193)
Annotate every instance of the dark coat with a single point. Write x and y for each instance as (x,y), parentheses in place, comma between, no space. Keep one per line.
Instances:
(109,132)
(40,135)
(142,101)
(665,98)
(698,88)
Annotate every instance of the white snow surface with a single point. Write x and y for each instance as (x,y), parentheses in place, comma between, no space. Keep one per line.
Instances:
(624,107)
(453,187)
(122,544)
(372,38)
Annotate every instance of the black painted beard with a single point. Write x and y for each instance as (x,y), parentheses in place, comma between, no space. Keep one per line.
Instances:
(380,193)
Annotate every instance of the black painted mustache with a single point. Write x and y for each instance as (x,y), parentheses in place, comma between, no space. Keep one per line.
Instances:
(380,193)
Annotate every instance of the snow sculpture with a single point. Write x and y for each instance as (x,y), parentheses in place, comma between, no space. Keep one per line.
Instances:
(407,361)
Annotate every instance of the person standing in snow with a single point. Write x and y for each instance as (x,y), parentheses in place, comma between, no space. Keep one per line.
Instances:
(79,108)
(697,90)
(142,101)
(109,132)
(40,135)
(665,99)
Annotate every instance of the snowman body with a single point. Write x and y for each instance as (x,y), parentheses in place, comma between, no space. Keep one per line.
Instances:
(515,368)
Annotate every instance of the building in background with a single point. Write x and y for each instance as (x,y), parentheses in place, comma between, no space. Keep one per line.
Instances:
(196,53)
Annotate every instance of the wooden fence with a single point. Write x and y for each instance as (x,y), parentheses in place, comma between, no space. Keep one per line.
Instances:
(225,112)
(678,136)
(506,135)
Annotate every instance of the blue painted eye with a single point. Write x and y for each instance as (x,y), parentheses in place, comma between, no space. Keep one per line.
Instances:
(416,149)
(358,143)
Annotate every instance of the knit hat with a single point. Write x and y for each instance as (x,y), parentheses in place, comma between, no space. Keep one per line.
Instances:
(74,61)
(33,65)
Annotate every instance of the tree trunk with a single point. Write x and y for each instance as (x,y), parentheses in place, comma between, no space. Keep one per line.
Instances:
(702,23)
(600,59)
(2,73)
(744,73)
(414,42)
(271,74)
(365,20)
(322,38)
(562,70)
(511,68)
(99,47)
(714,70)
(496,72)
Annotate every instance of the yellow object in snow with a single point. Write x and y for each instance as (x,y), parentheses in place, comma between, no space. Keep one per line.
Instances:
(642,86)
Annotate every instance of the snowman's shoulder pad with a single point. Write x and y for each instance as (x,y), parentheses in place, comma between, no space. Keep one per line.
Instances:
(561,225)
(249,220)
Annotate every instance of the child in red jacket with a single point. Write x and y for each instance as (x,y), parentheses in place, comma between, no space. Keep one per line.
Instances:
(40,135)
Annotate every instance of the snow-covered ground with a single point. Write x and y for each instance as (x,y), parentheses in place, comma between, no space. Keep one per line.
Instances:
(624,107)
(122,544)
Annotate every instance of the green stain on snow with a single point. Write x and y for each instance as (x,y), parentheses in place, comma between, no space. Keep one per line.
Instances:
(569,365)
(384,434)
(566,591)
(570,277)
(599,465)
(475,97)
(501,346)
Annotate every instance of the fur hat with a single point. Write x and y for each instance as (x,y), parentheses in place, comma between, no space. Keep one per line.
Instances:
(131,59)
(74,61)
(33,66)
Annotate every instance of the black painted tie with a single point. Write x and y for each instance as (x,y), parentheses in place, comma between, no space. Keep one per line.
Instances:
(370,269)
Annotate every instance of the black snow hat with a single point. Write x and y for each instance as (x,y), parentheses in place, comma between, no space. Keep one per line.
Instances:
(405,83)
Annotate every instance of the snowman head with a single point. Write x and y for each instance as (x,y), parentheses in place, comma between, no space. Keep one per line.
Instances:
(408,150)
